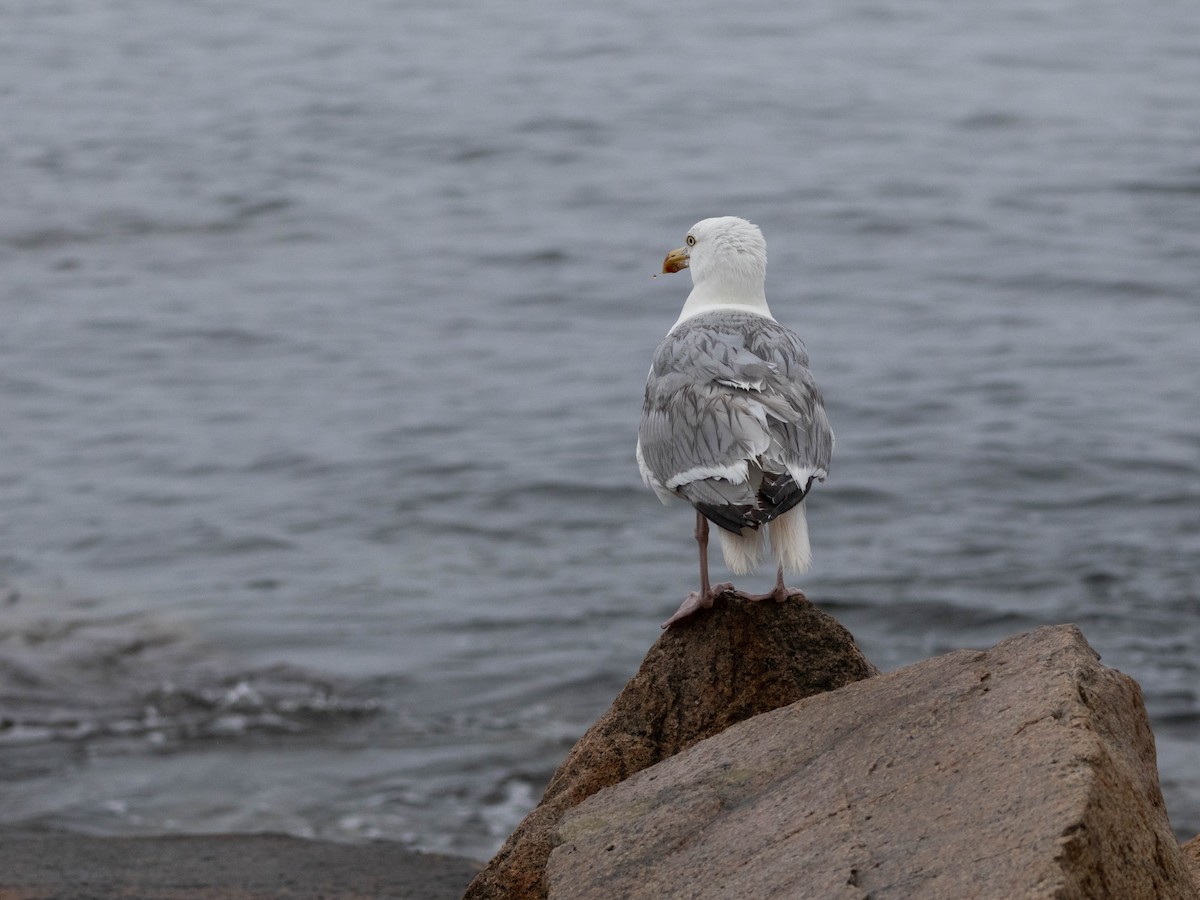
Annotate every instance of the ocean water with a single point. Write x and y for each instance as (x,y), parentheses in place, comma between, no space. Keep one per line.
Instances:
(323,330)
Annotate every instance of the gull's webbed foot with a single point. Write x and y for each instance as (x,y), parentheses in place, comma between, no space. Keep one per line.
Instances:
(779,593)
(696,601)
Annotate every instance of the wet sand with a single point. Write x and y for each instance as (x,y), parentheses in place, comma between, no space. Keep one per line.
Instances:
(43,865)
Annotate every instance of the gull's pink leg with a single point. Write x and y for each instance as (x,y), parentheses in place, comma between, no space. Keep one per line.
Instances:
(702,599)
(779,593)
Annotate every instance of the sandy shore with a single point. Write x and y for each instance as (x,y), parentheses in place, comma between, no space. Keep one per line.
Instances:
(236,866)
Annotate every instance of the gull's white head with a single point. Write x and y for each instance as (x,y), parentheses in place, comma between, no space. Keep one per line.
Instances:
(727,257)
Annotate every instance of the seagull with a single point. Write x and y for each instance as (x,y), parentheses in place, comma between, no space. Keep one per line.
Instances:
(733,421)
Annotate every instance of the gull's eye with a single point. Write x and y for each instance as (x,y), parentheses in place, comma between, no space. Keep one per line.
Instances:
(691,241)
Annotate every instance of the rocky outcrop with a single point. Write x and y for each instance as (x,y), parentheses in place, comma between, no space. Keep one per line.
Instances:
(702,676)
(1024,771)
(1191,852)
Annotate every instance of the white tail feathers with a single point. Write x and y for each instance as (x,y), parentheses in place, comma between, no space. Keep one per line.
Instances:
(742,551)
(789,544)
(789,540)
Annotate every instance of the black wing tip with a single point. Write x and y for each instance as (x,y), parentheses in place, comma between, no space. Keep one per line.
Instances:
(732,518)
(778,494)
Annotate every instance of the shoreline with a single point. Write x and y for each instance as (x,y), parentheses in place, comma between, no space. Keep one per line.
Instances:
(38,864)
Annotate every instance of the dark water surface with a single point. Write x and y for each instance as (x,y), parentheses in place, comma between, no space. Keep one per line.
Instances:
(324,329)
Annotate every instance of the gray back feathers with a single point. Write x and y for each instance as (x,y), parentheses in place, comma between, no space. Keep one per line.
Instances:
(730,392)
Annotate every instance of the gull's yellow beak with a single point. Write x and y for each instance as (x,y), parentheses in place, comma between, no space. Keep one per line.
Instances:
(676,260)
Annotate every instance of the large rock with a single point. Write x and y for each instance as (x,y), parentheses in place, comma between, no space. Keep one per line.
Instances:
(708,672)
(1191,852)
(1025,771)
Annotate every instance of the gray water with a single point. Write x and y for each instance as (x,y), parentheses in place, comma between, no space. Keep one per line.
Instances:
(324,329)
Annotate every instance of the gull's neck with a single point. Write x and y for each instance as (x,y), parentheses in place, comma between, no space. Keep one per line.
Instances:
(711,295)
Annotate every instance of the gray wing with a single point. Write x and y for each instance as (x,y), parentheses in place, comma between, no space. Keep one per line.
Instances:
(733,420)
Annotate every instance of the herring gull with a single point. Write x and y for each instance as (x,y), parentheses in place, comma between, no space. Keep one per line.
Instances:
(733,421)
